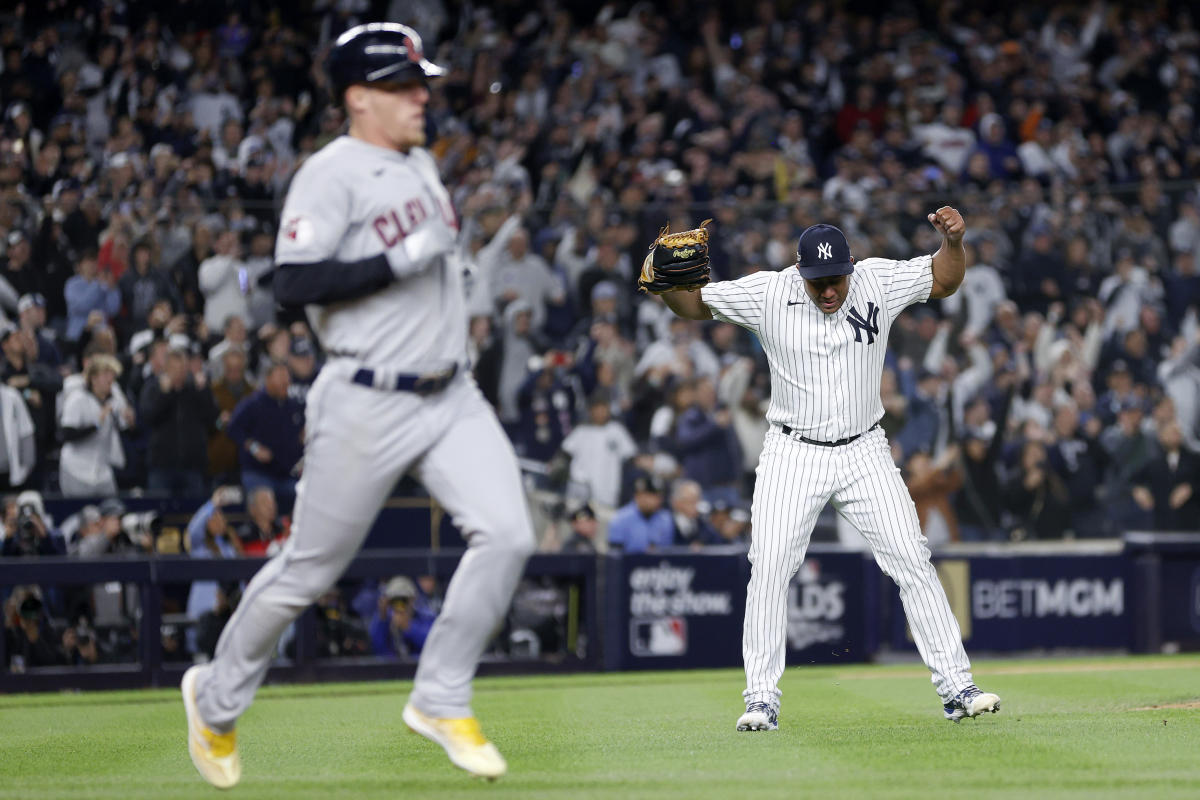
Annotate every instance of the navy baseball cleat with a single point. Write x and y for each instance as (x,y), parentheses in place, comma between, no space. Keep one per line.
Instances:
(971,702)
(759,717)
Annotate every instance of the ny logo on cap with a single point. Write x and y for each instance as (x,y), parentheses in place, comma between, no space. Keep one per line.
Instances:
(824,250)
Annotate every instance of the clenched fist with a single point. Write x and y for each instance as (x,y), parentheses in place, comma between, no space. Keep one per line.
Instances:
(949,223)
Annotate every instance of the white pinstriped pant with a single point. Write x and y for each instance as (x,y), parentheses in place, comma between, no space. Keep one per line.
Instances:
(794,482)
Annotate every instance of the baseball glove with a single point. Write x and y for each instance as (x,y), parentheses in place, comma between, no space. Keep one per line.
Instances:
(676,261)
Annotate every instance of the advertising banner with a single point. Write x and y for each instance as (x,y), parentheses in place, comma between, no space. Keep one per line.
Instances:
(1027,601)
(827,619)
(682,610)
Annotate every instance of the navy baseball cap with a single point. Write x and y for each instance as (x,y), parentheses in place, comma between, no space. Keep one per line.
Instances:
(823,252)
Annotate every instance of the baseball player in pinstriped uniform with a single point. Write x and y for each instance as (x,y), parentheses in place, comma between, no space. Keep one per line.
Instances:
(368,243)
(824,327)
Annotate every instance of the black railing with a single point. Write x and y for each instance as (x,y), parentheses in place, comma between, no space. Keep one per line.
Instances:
(151,574)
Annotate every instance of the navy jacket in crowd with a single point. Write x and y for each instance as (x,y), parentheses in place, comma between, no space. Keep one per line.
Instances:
(179,421)
(708,452)
(277,424)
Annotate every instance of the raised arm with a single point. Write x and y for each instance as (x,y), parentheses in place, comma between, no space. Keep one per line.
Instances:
(950,261)
(687,303)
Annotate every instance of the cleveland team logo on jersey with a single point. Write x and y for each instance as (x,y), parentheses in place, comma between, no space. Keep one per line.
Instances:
(870,325)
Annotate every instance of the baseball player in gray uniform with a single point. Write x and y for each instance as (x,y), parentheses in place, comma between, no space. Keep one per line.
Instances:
(368,244)
(824,326)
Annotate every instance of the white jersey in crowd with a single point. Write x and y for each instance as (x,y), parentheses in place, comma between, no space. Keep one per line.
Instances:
(825,368)
(352,200)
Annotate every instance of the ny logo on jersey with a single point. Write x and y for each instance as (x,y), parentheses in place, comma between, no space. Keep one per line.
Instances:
(824,251)
(870,325)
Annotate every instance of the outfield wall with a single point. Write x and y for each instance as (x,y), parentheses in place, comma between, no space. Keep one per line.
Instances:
(681,609)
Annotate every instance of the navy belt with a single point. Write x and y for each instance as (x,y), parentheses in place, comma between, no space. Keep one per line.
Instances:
(789,432)
(417,384)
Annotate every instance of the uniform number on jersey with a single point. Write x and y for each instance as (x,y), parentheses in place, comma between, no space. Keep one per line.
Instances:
(392,227)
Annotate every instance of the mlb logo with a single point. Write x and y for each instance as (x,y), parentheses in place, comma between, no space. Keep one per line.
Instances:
(665,636)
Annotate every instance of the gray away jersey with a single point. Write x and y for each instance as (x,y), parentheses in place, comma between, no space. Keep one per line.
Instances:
(825,368)
(352,200)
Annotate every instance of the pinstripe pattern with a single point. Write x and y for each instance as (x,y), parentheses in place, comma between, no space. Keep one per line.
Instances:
(825,378)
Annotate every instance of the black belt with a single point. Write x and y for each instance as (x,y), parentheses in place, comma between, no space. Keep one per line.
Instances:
(417,384)
(788,432)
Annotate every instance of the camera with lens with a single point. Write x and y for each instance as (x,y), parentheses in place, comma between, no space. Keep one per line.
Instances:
(27,524)
(141,528)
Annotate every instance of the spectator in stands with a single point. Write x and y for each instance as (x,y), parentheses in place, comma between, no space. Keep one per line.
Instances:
(302,367)
(41,344)
(210,623)
(546,403)
(268,428)
(584,527)
(932,482)
(30,640)
(691,528)
(732,524)
(18,270)
(598,448)
(519,273)
(91,299)
(1037,497)
(179,411)
(186,270)
(1166,486)
(144,284)
(263,533)
(978,503)
(79,646)
(210,535)
(224,282)
(235,336)
(509,360)
(1078,458)
(339,633)
(259,264)
(402,623)
(37,383)
(229,390)
(92,418)
(642,524)
(85,532)
(27,529)
(18,451)
(706,445)
(1128,448)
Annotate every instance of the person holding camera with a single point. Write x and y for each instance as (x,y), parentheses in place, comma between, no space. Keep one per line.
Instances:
(210,535)
(403,622)
(29,638)
(263,533)
(26,532)
(79,646)
(91,423)
(179,410)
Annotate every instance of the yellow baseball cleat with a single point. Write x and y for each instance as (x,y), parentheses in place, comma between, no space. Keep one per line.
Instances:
(462,740)
(214,754)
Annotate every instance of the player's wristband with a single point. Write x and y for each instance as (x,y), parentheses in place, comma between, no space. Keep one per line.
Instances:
(419,250)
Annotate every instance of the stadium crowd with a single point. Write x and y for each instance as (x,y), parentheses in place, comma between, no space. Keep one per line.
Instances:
(145,150)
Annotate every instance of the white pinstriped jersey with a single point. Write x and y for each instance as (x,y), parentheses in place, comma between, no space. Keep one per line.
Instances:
(352,200)
(825,368)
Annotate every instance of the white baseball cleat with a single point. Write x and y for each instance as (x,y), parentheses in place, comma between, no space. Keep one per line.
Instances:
(971,702)
(214,754)
(463,741)
(759,717)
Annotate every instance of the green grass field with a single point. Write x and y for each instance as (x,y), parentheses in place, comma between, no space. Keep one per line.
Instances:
(1068,728)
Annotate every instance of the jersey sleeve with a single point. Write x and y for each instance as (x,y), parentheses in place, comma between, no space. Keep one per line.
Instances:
(741,301)
(904,282)
(315,215)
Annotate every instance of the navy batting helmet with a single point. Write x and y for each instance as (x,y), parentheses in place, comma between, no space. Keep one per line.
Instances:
(378,51)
